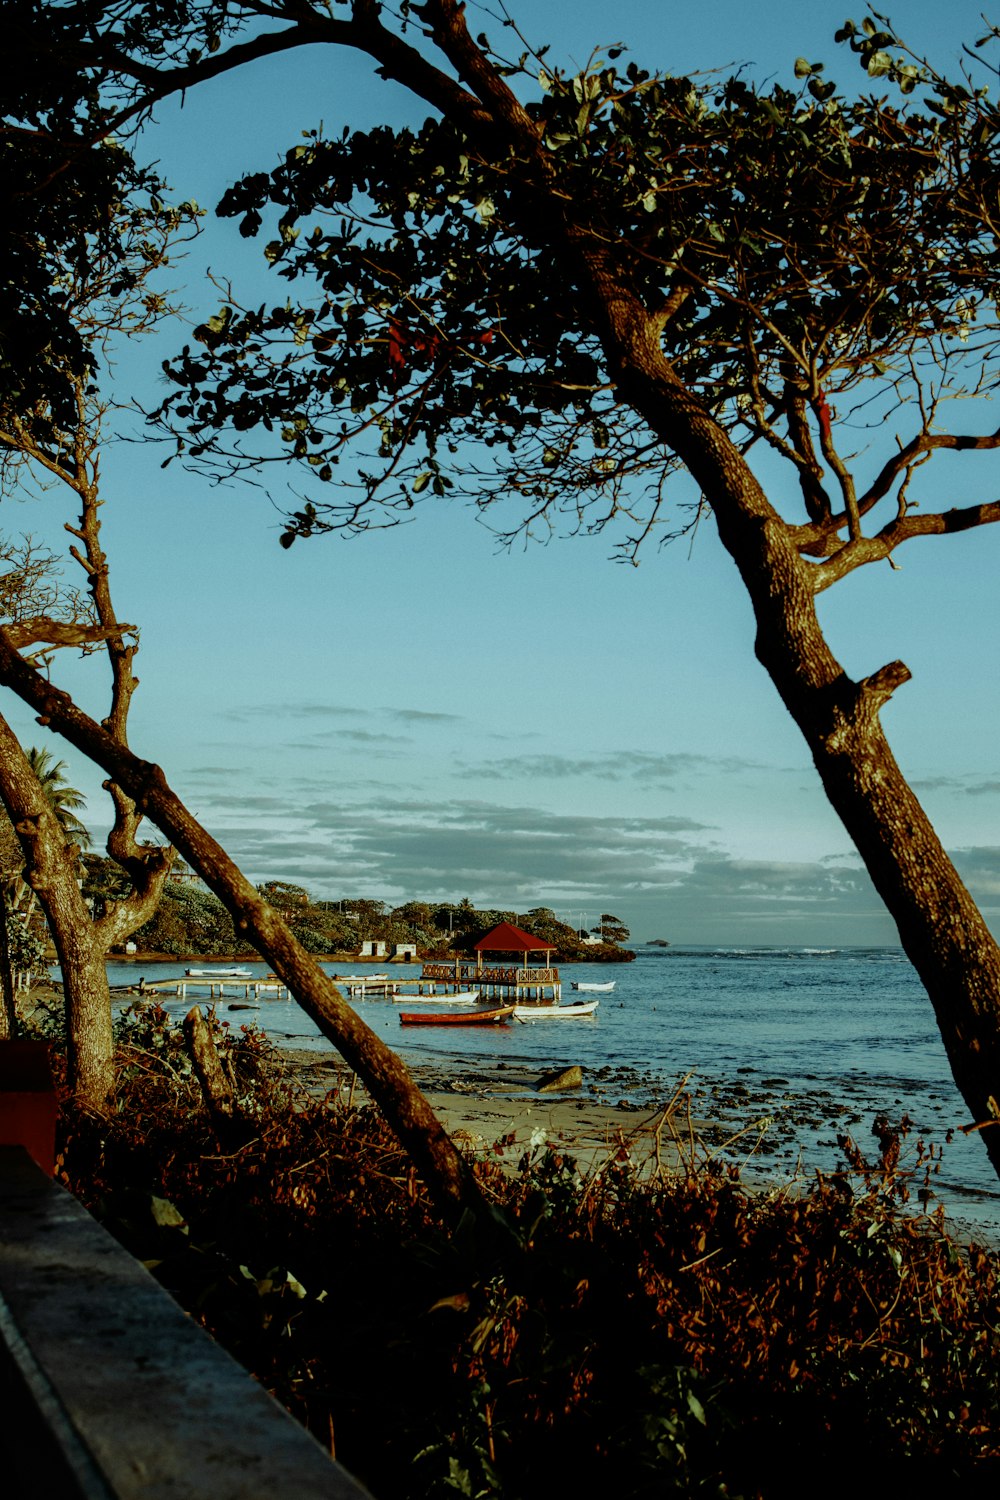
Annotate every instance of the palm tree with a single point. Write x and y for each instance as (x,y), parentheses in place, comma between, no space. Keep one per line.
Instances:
(63,799)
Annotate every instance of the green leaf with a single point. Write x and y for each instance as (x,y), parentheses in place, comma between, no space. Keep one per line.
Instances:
(166,1215)
(696,1409)
(820,90)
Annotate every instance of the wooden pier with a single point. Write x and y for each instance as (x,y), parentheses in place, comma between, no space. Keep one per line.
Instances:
(500,983)
(507,982)
(363,988)
(270,988)
(514,982)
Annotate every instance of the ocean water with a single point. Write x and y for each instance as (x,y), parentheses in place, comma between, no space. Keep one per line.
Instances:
(800,1044)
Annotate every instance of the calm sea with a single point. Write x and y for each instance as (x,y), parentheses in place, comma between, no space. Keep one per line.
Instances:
(816,1042)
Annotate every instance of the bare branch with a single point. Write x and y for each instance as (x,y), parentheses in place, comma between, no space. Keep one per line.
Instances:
(48,632)
(925,442)
(880,547)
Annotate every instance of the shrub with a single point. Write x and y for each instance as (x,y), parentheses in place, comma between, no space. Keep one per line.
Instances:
(640,1333)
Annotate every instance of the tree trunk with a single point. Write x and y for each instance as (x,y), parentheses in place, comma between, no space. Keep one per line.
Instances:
(940,927)
(51,872)
(89,1036)
(8,1006)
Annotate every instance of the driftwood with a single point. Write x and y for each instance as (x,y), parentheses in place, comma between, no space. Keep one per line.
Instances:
(216,1086)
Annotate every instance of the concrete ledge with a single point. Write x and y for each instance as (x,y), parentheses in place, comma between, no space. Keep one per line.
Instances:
(108,1389)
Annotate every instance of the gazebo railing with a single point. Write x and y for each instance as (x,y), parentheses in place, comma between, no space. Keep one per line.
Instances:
(471,973)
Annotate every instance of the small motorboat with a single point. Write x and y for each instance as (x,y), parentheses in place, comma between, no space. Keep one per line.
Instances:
(571,1012)
(595,989)
(461,997)
(218,973)
(496,1016)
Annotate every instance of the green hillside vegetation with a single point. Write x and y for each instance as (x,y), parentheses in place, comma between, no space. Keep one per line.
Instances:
(190,920)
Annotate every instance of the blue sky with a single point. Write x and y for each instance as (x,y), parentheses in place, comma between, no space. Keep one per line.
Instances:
(417,715)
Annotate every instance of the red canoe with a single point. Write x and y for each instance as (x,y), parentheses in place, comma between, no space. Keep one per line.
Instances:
(495,1017)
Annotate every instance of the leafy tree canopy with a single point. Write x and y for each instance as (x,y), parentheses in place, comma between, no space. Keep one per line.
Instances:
(611,928)
(189,920)
(64,179)
(25,943)
(283,895)
(810,257)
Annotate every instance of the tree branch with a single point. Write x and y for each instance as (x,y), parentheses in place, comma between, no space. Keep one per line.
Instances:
(924,442)
(384,1074)
(364,32)
(814,495)
(47,632)
(880,547)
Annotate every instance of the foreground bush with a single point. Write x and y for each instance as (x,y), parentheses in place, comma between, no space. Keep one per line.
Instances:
(640,1335)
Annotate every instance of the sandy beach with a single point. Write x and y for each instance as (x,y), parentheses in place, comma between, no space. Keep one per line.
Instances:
(496,1110)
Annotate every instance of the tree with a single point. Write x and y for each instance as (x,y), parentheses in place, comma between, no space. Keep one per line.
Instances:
(611,929)
(61,174)
(188,920)
(21,949)
(284,897)
(405,1108)
(607,278)
(27,951)
(418,914)
(48,421)
(543,923)
(367,918)
(100,249)
(63,799)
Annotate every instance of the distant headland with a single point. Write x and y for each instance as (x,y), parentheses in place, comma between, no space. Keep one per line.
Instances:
(191,921)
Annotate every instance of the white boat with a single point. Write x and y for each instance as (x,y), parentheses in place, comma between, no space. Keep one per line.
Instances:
(359,978)
(603,989)
(218,973)
(570,1012)
(461,997)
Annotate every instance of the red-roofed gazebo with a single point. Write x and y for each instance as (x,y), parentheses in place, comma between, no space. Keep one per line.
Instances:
(506,938)
(512,976)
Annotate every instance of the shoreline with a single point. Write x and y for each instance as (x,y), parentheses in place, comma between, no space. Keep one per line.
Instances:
(494,1110)
(780,1131)
(445,956)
